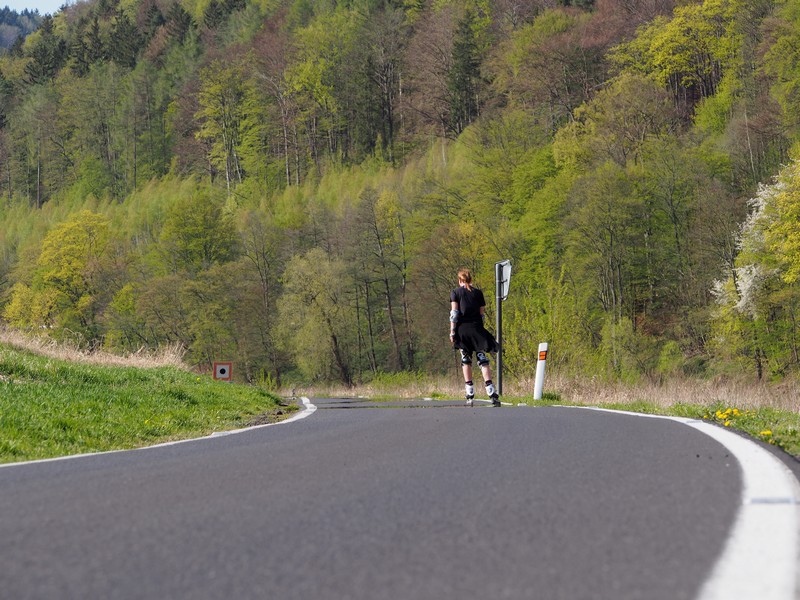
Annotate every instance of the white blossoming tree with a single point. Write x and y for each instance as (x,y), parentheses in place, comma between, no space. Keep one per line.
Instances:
(757,321)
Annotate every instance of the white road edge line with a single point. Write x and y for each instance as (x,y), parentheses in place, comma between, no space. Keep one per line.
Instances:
(307,412)
(761,555)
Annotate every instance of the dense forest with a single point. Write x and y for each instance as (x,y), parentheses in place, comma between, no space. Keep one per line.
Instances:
(292,184)
(14,26)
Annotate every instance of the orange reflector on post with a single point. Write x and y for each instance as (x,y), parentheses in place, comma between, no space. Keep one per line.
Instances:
(543,355)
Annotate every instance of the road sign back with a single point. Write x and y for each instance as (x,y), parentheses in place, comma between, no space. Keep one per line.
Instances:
(505,277)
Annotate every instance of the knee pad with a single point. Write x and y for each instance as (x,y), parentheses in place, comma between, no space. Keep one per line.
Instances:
(466,357)
(483,360)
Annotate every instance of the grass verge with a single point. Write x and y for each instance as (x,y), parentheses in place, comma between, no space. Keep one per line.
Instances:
(51,407)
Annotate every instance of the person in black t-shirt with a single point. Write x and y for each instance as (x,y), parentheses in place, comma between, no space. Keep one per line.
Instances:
(467,333)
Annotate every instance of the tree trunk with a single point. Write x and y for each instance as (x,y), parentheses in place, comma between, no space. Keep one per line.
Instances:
(392,326)
(373,361)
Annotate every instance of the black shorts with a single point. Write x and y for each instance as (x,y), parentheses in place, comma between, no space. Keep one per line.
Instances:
(473,337)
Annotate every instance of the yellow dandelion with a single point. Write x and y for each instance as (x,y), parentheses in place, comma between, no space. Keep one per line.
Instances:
(736,412)
(766,432)
(727,423)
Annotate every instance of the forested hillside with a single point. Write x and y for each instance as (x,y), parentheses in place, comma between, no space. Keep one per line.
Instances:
(292,184)
(14,26)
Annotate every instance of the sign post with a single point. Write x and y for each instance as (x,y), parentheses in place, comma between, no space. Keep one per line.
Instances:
(502,279)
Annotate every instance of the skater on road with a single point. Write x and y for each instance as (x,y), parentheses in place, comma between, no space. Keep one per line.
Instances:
(467,333)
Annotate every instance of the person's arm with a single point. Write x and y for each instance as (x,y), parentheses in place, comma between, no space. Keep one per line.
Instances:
(453,319)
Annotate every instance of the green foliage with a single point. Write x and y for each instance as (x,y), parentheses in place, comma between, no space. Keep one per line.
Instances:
(545,67)
(46,53)
(70,281)
(222,101)
(782,61)
(316,315)
(507,163)
(671,360)
(537,170)
(782,235)
(713,113)
(464,79)
(616,123)
(292,185)
(692,50)
(125,42)
(198,233)
(322,46)
(755,323)
(27,309)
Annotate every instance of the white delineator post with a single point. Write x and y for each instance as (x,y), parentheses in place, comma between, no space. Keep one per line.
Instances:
(538,384)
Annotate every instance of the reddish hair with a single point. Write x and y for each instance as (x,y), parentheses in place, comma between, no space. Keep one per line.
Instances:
(466,277)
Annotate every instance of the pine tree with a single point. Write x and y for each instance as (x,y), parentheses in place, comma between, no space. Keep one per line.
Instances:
(231,6)
(214,15)
(95,47)
(464,78)
(79,53)
(178,22)
(47,54)
(125,42)
(6,91)
(16,47)
(153,20)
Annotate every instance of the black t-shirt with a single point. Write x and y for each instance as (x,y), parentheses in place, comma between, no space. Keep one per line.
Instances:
(469,303)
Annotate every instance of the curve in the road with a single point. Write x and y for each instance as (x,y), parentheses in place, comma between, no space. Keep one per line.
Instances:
(760,559)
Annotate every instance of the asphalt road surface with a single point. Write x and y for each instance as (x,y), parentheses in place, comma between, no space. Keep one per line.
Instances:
(359,502)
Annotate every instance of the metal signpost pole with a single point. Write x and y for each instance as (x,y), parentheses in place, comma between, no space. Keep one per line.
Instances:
(498,280)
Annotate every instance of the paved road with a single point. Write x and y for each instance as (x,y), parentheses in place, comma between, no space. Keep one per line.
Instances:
(420,503)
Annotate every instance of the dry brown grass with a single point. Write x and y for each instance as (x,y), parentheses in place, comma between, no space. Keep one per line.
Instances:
(169,356)
(743,394)
(424,388)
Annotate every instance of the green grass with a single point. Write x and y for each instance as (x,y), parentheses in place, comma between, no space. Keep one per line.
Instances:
(52,408)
